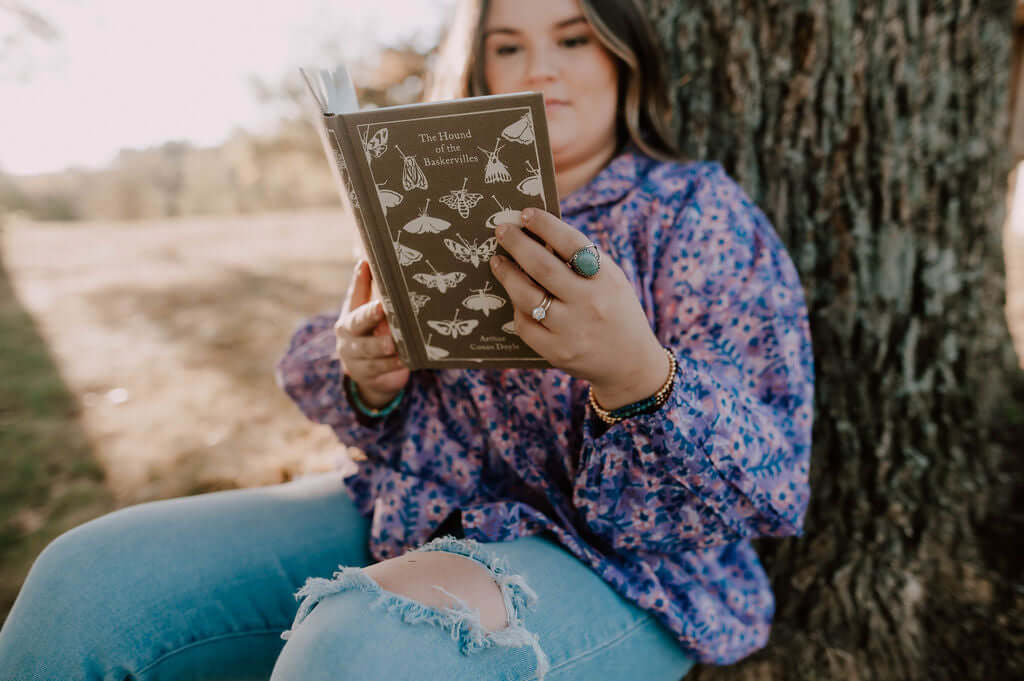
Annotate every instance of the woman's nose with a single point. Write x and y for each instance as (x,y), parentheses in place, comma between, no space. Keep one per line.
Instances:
(540,66)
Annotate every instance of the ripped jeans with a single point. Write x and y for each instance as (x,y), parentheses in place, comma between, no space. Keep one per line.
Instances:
(206,587)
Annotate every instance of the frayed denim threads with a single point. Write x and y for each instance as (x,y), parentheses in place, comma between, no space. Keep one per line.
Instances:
(462,622)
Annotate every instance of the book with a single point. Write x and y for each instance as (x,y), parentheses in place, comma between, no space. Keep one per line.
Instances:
(427,184)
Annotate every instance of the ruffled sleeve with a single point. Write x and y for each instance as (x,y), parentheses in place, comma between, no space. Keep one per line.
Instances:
(422,450)
(310,374)
(727,457)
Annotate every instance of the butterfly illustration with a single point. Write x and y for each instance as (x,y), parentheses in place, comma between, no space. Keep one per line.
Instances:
(442,282)
(453,327)
(426,224)
(388,198)
(472,254)
(434,352)
(418,301)
(521,131)
(374,146)
(495,171)
(505,215)
(531,184)
(412,174)
(406,255)
(483,301)
(461,200)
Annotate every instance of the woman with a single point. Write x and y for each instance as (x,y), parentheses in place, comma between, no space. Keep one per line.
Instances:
(605,506)
(661,504)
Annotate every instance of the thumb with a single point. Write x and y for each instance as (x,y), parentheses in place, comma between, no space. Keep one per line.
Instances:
(359,288)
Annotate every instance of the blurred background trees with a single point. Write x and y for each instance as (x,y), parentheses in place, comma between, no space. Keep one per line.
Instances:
(22,29)
(248,173)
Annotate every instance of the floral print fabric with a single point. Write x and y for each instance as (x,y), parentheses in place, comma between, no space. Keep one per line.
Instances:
(662,505)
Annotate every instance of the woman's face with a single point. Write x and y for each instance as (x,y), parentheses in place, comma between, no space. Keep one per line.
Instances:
(548,46)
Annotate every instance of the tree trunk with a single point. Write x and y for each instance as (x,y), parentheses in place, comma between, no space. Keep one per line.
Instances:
(874,136)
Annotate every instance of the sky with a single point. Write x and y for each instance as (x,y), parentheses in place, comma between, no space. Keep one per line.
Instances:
(136,73)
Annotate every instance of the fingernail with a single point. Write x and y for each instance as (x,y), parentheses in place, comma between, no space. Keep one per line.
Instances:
(527,214)
(495,261)
(500,230)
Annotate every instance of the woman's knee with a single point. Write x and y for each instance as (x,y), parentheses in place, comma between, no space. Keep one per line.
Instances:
(444,580)
(425,609)
(76,561)
(67,597)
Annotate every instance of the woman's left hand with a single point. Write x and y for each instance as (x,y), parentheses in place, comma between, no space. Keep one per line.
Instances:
(594,329)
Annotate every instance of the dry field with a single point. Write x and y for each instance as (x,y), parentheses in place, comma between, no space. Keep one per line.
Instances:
(166,332)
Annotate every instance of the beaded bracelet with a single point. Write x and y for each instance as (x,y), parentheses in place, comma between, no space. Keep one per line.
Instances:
(652,403)
(371,411)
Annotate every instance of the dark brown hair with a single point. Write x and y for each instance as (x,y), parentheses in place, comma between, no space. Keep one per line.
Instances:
(623,29)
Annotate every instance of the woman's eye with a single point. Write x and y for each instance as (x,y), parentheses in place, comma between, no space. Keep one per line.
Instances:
(576,41)
(502,50)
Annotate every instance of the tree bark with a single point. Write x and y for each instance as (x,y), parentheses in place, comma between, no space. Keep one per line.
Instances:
(874,136)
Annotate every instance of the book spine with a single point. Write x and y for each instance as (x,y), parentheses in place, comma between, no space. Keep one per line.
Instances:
(341,151)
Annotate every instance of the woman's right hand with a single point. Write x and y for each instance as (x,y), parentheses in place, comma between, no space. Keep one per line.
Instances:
(364,344)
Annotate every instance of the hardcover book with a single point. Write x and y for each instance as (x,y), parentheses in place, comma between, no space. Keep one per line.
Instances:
(427,184)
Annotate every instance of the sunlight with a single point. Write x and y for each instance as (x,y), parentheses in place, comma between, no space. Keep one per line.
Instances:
(130,74)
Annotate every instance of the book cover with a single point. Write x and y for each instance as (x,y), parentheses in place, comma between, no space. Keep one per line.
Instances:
(427,184)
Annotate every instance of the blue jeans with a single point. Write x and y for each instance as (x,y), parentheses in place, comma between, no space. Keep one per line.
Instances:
(204,587)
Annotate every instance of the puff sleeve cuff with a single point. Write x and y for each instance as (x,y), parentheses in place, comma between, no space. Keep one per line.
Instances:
(727,456)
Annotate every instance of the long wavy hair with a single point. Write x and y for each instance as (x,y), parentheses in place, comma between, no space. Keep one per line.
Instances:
(644,114)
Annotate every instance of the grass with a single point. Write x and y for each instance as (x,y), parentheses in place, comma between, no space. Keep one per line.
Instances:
(49,478)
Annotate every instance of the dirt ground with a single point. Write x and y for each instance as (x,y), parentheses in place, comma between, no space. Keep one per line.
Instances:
(167,333)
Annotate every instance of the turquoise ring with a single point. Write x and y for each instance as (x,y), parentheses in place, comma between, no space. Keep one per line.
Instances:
(586,261)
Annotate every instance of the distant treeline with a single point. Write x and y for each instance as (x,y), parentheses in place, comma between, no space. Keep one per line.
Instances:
(246,174)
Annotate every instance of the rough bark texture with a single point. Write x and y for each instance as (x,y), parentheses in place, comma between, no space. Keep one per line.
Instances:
(874,136)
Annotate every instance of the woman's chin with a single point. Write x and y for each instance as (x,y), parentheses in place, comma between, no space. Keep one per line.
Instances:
(562,141)
(567,152)
(561,129)
(561,158)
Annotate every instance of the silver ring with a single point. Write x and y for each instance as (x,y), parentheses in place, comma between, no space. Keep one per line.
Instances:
(585,261)
(541,311)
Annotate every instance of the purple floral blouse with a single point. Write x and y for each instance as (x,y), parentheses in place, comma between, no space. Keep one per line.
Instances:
(663,505)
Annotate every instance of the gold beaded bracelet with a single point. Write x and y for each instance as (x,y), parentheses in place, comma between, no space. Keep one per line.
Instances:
(653,402)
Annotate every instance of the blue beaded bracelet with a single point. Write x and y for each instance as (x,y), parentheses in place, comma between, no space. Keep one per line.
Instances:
(370,411)
(649,404)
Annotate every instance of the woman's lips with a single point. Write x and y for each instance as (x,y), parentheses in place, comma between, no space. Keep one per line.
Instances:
(549,103)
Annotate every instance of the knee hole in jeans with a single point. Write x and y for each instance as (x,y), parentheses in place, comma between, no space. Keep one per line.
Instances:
(462,621)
